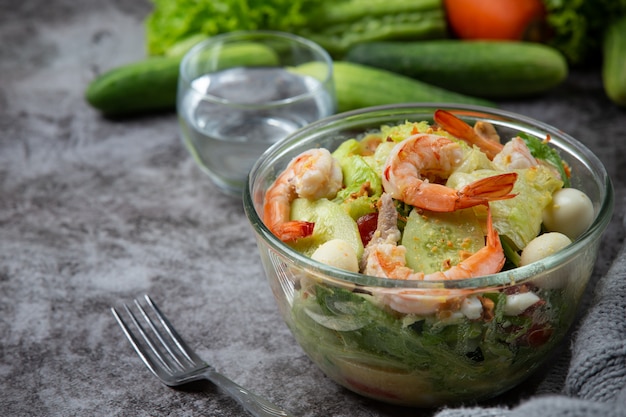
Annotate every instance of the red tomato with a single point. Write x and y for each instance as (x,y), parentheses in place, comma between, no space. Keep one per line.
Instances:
(496,19)
(367,226)
(538,335)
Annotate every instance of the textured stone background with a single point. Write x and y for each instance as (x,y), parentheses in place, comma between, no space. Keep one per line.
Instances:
(95,212)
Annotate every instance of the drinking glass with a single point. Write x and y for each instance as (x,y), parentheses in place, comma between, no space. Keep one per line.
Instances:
(240,92)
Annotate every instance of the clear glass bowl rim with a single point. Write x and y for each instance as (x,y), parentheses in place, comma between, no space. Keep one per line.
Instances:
(251,35)
(502,279)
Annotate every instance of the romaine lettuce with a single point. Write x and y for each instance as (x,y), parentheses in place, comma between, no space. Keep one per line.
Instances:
(519,218)
(577,26)
(338,327)
(171,21)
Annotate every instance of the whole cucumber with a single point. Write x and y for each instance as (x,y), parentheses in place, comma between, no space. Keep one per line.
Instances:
(150,85)
(358,86)
(488,69)
(139,87)
(614,61)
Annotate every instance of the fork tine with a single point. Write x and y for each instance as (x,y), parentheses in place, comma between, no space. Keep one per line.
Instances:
(159,335)
(143,354)
(182,346)
(154,350)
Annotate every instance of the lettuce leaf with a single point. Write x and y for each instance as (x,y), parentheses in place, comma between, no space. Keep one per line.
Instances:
(172,21)
(577,26)
(334,24)
(335,325)
(541,150)
(518,219)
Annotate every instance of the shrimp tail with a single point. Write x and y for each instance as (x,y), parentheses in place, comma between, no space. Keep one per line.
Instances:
(494,246)
(497,187)
(293,230)
(493,239)
(489,260)
(461,130)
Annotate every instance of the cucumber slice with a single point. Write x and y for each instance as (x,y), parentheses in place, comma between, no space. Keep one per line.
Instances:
(436,241)
(331,222)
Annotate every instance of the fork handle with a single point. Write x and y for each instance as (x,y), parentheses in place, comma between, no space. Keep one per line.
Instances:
(255,405)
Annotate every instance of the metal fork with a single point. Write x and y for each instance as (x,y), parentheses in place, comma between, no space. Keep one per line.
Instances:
(167,355)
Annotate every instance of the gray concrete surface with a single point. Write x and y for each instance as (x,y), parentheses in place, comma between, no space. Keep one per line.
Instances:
(94,212)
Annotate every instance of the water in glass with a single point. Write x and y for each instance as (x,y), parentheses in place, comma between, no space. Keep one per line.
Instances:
(230,117)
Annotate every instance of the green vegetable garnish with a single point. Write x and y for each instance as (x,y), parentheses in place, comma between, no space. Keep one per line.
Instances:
(540,150)
(334,24)
(338,325)
(578,26)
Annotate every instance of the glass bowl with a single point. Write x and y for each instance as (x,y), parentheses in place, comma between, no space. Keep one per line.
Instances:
(442,355)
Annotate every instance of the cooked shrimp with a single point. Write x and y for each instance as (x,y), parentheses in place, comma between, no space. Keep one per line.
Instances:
(486,130)
(313,174)
(422,158)
(385,259)
(512,155)
(382,253)
(461,130)
(487,260)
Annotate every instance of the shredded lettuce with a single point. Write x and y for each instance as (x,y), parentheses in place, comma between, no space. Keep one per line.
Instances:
(333,323)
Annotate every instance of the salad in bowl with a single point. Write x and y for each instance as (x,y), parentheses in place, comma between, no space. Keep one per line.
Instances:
(425,255)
